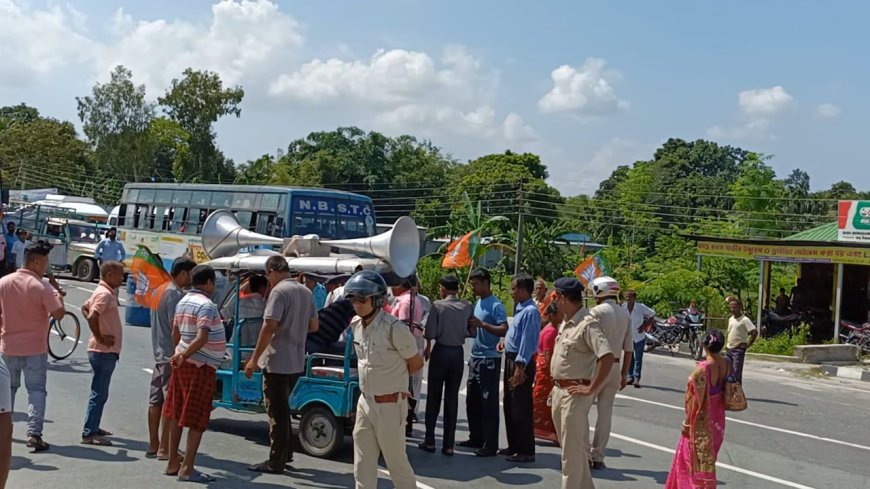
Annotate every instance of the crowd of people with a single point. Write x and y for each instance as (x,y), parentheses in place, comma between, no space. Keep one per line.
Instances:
(548,366)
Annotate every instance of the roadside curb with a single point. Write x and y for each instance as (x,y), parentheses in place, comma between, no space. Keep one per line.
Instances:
(773,358)
(852,373)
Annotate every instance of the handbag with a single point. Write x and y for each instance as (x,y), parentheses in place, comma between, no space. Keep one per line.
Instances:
(735,398)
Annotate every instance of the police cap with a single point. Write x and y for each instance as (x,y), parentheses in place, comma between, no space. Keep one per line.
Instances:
(568,286)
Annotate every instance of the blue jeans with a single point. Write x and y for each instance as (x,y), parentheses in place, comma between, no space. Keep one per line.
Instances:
(103,365)
(636,361)
(35,368)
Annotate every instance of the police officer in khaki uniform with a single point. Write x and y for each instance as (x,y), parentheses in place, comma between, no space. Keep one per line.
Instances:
(616,324)
(581,365)
(387,353)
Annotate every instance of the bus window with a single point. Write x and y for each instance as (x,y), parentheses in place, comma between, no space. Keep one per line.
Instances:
(163,197)
(146,196)
(269,202)
(181,197)
(139,218)
(203,215)
(167,222)
(265,223)
(122,216)
(278,229)
(243,200)
(200,198)
(158,216)
(178,215)
(221,200)
(132,195)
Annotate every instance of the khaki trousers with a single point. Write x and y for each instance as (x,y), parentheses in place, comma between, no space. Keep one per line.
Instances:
(571,419)
(604,408)
(380,428)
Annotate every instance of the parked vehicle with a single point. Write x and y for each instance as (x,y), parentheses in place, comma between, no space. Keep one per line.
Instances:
(773,324)
(679,328)
(75,240)
(856,334)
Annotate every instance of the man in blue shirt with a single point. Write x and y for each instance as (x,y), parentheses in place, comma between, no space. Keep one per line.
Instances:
(110,249)
(11,238)
(521,345)
(481,401)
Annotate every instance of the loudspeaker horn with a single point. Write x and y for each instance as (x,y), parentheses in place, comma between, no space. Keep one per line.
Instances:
(400,246)
(222,235)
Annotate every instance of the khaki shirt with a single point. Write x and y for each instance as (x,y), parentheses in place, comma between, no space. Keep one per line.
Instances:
(581,342)
(739,330)
(382,348)
(616,323)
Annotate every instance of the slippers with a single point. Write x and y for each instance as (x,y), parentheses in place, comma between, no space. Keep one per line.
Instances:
(264,468)
(171,474)
(447,451)
(164,458)
(426,448)
(102,432)
(96,441)
(197,477)
(150,454)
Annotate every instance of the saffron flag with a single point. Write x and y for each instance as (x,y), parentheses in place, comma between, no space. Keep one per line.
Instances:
(589,269)
(150,276)
(461,251)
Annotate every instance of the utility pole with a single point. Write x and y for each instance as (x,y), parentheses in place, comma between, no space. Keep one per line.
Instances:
(520,221)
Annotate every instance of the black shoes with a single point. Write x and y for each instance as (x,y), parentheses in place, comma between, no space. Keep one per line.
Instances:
(469,444)
(485,452)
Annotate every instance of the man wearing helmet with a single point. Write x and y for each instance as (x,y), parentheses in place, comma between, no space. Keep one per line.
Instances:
(616,324)
(387,353)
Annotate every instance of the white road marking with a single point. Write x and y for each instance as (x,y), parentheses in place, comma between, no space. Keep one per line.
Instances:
(148,370)
(420,485)
(725,466)
(754,425)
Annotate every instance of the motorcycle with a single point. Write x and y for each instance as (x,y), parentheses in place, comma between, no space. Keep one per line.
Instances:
(856,334)
(681,327)
(773,324)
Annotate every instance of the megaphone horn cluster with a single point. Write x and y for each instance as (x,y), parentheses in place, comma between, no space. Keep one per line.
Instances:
(223,236)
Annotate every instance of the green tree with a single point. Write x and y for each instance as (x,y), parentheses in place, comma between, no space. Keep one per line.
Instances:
(170,145)
(116,118)
(196,102)
(17,114)
(758,198)
(47,153)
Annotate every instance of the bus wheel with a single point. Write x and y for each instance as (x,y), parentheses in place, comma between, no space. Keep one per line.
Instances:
(320,432)
(86,270)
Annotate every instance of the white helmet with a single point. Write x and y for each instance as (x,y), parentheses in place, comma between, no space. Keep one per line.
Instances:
(605,287)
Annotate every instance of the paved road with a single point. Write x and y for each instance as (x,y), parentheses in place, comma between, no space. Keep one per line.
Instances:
(799,432)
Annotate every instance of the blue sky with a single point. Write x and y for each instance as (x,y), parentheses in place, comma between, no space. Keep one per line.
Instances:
(588,85)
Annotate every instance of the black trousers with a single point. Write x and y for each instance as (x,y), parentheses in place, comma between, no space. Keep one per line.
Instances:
(519,413)
(276,394)
(481,403)
(445,376)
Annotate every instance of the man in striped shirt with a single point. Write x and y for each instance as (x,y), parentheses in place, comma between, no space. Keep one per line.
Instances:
(200,344)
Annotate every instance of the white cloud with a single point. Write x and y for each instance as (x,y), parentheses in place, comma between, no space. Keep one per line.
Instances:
(759,107)
(828,111)
(764,102)
(586,90)
(34,42)
(410,91)
(243,42)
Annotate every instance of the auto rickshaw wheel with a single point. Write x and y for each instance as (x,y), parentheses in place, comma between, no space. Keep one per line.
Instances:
(86,270)
(320,432)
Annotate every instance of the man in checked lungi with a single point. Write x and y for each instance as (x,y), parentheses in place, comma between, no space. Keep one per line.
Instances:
(201,342)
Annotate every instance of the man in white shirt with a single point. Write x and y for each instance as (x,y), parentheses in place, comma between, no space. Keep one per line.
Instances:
(19,247)
(641,315)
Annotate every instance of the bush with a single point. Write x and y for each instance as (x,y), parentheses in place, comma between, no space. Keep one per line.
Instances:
(783,343)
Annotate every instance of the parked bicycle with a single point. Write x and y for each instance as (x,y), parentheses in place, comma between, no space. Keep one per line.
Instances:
(856,334)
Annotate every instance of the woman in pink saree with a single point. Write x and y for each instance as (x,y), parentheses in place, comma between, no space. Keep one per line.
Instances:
(703,430)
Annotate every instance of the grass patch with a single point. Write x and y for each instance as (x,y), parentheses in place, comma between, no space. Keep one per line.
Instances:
(783,343)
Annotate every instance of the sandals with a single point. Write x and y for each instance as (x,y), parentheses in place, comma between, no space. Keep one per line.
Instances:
(447,451)
(197,477)
(37,444)
(96,441)
(102,432)
(264,468)
(165,458)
